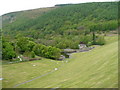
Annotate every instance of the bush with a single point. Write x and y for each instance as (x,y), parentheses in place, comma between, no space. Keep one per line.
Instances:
(39,49)
(47,51)
(8,51)
(53,53)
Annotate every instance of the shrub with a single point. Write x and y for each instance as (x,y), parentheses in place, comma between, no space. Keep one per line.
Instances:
(47,51)
(53,53)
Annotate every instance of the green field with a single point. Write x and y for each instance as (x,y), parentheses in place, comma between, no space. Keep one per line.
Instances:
(97,68)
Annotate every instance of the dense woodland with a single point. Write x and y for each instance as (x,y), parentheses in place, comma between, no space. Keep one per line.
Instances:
(45,32)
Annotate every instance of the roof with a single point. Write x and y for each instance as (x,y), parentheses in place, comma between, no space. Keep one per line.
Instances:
(69,50)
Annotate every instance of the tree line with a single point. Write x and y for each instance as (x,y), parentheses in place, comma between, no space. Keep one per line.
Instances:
(26,46)
(30,47)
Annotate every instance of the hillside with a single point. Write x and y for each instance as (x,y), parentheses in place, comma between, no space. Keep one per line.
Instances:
(34,44)
(59,20)
(23,16)
(62,26)
(93,69)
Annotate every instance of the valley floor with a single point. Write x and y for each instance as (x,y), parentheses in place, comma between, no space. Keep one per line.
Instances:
(97,68)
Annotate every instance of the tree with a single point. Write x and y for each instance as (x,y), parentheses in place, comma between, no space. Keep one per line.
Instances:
(30,45)
(47,51)
(39,49)
(25,44)
(53,53)
(22,44)
(8,51)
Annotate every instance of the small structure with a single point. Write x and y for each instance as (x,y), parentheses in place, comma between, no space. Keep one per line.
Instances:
(61,57)
(33,59)
(23,58)
(66,53)
(82,45)
(69,51)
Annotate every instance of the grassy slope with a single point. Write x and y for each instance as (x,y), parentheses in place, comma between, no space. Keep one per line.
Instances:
(20,72)
(23,16)
(97,68)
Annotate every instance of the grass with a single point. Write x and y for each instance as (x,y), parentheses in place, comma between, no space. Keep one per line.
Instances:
(20,72)
(97,68)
